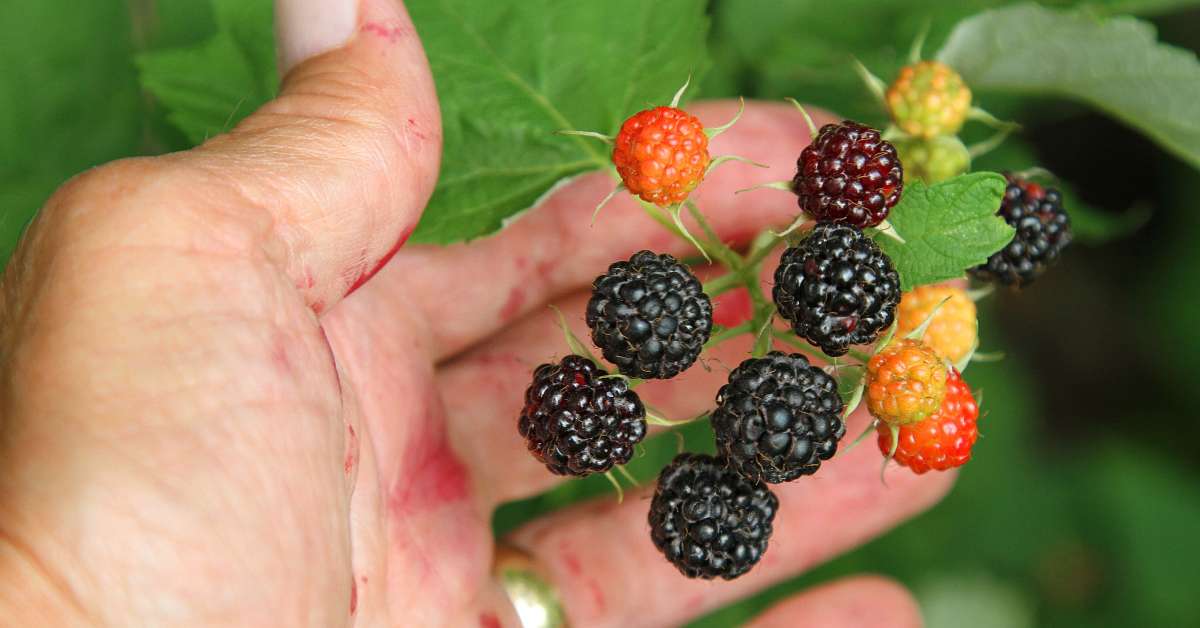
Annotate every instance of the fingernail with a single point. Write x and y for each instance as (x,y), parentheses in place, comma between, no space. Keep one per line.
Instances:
(306,28)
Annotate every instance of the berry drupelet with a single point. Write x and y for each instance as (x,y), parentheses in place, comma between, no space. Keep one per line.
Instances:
(945,439)
(906,382)
(649,316)
(661,154)
(929,99)
(709,521)
(836,288)
(1043,230)
(952,332)
(578,422)
(778,418)
(848,174)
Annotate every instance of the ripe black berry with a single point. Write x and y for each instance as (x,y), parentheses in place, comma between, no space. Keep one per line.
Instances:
(1043,231)
(837,288)
(709,521)
(848,174)
(578,422)
(778,418)
(649,316)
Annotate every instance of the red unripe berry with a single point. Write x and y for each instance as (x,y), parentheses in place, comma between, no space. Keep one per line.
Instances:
(944,440)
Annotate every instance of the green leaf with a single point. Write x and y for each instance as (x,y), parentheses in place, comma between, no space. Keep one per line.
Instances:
(207,88)
(947,228)
(69,100)
(803,48)
(510,74)
(1115,65)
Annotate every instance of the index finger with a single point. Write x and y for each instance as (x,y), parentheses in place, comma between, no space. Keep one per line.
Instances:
(468,291)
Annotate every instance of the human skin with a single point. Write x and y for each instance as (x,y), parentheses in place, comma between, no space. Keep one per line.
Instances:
(230,395)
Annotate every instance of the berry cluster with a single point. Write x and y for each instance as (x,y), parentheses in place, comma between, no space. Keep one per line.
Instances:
(780,415)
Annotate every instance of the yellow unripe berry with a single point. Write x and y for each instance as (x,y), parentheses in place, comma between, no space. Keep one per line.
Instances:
(928,99)
(951,333)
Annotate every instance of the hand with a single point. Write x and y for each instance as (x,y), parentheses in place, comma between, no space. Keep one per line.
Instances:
(210,416)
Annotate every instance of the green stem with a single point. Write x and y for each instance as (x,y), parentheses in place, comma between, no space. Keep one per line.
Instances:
(723,284)
(747,271)
(799,345)
(763,245)
(795,342)
(666,223)
(726,334)
(717,248)
(765,338)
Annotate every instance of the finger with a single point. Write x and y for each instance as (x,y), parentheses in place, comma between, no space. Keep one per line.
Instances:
(472,290)
(859,602)
(329,177)
(610,574)
(484,388)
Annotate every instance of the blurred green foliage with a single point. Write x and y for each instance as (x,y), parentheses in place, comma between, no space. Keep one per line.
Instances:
(1081,505)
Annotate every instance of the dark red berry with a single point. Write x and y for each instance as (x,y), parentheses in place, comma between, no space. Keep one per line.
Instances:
(848,174)
(578,422)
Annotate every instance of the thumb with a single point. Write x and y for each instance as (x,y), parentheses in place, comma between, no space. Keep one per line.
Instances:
(344,159)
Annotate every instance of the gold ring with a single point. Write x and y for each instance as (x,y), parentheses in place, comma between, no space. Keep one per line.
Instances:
(528,588)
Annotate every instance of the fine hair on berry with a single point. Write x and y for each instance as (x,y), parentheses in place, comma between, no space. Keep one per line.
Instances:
(837,288)
(778,418)
(578,422)
(709,521)
(1043,230)
(649,316)
(848,174)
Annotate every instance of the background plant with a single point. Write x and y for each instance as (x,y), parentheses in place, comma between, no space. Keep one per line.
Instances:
(1089,426)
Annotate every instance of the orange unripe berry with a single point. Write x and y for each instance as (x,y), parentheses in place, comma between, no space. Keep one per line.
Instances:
(906,382)
(661,154)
